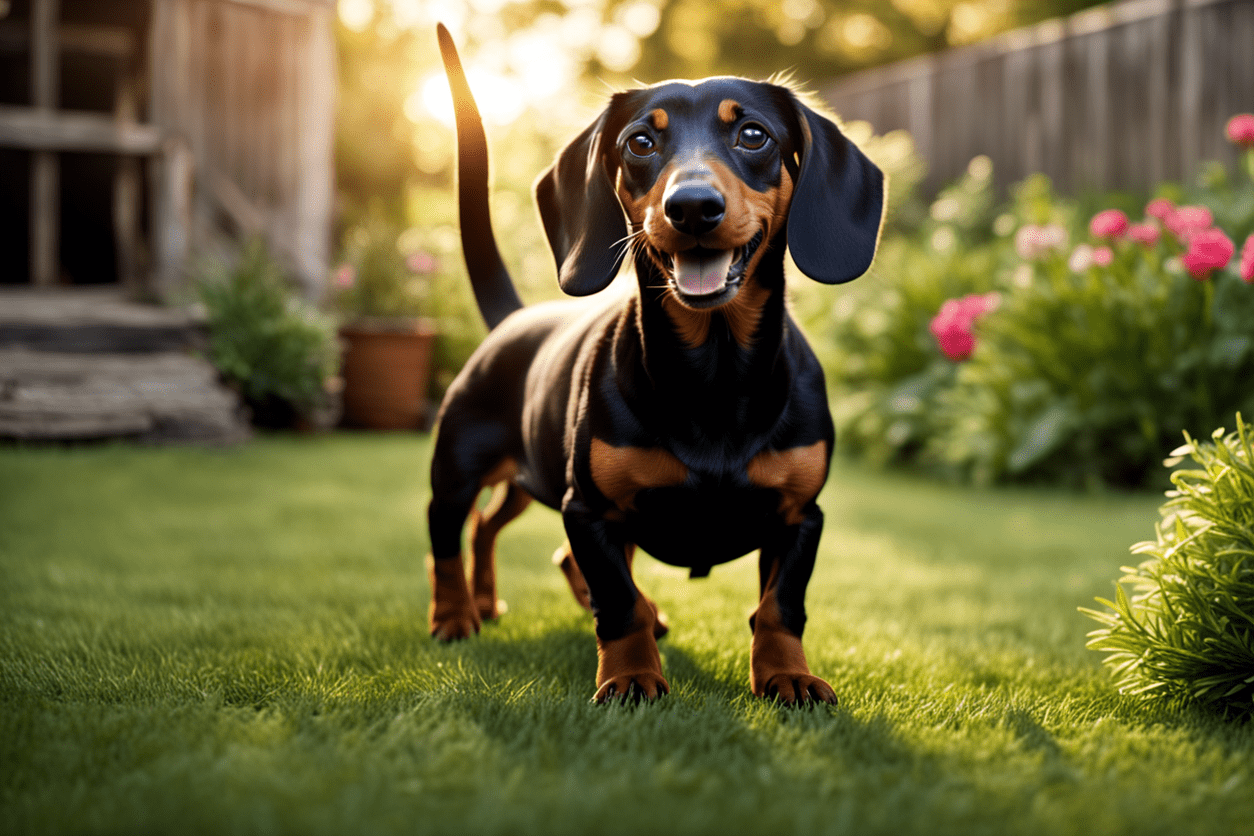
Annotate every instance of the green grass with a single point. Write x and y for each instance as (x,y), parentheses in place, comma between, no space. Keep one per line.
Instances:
(234,641)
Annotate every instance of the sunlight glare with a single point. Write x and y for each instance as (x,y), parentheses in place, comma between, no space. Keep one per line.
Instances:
(356,14)
(617,48)
(580,28)
(501,99)
(540,60)
(641,18)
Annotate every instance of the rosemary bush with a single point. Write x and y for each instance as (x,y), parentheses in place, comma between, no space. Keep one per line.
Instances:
(1187,631)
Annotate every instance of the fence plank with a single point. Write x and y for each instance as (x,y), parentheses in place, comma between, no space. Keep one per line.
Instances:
(1123,96)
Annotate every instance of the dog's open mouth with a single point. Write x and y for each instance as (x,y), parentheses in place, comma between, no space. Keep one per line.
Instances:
(704,277)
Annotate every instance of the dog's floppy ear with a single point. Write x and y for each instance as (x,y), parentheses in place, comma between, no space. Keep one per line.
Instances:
(582,216)
(837,204)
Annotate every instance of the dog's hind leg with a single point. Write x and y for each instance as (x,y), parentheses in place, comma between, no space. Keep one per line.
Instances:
(508,501)
(466,457)
(564,560)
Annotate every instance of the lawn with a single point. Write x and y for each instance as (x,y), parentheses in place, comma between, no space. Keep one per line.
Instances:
(234,641)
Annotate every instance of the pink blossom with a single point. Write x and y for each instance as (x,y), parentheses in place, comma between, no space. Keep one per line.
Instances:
(1081,258)
(1209,250)
(1033,242)
(1110,223)
(1103,256)
(1146,234)
(1240,130)
(345,276)
(1247,261)
(421,262)
(1159,207)
(1184,221)
(953,325)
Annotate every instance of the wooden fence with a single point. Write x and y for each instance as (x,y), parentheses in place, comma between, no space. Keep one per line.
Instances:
(244,91)
(1122,96)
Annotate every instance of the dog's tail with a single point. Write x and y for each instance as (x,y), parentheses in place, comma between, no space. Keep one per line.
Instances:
(494,290)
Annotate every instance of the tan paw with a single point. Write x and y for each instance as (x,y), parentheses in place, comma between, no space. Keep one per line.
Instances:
(796,687)
(643,686)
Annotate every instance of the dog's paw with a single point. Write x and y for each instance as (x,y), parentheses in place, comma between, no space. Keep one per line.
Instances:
(454,627)
(644,686)
(796,688)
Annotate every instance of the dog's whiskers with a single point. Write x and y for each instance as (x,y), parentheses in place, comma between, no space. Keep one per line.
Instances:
(631,243)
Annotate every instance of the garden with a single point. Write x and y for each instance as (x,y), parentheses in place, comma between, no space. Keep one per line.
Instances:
(1034,595)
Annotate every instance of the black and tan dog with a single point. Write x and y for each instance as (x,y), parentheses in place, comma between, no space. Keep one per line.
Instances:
(690,417)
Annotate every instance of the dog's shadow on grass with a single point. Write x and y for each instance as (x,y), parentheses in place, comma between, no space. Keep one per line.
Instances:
(530,693)
(561,658)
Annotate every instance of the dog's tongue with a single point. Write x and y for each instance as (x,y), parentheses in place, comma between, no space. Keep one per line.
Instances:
(699,272)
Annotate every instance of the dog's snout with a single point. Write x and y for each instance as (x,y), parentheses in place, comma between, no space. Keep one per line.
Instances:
(694,208)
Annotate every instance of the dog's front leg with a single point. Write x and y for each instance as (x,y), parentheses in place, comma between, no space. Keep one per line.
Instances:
(628,663)
(777,663)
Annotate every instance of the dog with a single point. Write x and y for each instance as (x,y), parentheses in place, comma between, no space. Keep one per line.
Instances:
(689,417)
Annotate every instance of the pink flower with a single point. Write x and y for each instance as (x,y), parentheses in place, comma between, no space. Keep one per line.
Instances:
(1103,256)
(1247,261)
(1146,234)
(1184,221)
(1110,223)
(1159,207)
(953,325)
(421,262)
(1209,250)
(345,276)
(1081,258)
(1033,242)
(1240,130)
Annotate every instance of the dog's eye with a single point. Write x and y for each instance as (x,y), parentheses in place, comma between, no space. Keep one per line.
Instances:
(753,137)
(641,145)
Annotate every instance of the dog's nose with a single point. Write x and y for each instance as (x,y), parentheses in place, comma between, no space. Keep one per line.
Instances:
(694,208)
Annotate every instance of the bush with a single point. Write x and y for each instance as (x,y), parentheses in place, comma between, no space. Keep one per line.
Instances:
(1094,356)
(279,351)
(1187,631)
(880,355)
(1083,376)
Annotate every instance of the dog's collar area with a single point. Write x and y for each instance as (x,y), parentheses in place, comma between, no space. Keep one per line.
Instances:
(704,278)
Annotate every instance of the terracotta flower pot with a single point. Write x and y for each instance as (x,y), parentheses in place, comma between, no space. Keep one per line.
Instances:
(387,373)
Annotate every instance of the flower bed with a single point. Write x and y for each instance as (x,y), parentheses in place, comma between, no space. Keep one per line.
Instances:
(1090,342)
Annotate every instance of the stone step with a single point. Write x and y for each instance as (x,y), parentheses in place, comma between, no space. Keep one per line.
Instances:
(90,320)
(157,397)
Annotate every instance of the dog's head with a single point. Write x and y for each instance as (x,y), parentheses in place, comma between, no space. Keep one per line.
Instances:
(706,175)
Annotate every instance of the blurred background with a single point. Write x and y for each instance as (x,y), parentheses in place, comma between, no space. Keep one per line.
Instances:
(543,68)
(286,168)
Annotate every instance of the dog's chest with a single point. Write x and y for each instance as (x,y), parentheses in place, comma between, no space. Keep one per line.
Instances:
(694,515)
(702,522)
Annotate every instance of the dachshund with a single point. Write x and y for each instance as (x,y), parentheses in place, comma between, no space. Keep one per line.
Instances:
(689,416)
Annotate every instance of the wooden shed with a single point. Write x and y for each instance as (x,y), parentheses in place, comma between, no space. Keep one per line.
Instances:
(136,135)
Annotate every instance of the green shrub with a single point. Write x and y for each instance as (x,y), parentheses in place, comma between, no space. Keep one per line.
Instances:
(265,340)
(1105,343)
(1187,631)
(1084,377)
(880,357)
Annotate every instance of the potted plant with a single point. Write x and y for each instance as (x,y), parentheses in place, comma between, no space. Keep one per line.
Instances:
(381,294)
(272,346)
